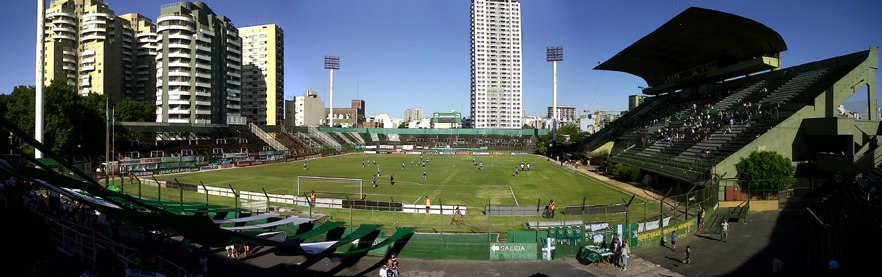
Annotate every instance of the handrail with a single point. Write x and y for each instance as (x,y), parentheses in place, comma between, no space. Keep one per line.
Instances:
(266,137)
(98,239)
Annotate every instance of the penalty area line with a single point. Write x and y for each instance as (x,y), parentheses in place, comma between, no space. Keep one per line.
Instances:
(513,196)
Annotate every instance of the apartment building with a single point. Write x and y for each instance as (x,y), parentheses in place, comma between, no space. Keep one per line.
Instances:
(496,45)
(263,74)
(198,66)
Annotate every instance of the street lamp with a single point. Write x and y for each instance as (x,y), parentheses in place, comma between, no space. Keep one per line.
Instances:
(332,62)
(554,54)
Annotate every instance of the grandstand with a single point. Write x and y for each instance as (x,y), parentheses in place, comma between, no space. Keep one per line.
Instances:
(718,92)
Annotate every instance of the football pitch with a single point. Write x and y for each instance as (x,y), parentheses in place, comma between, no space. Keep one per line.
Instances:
(449,180)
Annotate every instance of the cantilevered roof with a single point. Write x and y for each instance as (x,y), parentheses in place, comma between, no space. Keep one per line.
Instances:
(695,37)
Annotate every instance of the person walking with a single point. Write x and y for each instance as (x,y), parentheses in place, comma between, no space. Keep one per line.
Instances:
(392,179)
(625,253)
(724,227)
(688,255)
(674,240)
(312,197)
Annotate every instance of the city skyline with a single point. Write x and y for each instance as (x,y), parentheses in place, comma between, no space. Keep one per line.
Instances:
(413,53)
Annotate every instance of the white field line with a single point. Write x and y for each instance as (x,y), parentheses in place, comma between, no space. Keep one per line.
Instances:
(234,180)
(513,196)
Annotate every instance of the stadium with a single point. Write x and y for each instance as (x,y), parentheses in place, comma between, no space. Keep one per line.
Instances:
(717,93)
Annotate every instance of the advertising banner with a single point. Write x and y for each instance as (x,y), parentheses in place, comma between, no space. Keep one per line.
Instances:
(151,160)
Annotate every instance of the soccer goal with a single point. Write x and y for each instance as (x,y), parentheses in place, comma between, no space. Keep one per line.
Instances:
(329,185)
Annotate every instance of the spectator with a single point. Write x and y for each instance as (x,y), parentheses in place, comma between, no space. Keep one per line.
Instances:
(625,253)
(428,204)
(688,255)
(674,240)
(724,227)
(701,219)
(833,265)
(777,266)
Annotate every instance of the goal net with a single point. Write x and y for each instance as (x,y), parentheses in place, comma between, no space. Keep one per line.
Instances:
(334,187)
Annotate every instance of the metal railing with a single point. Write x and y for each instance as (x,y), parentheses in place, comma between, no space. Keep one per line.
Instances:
(87,243)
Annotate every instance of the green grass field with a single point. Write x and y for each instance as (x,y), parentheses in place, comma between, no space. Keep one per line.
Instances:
(451,179)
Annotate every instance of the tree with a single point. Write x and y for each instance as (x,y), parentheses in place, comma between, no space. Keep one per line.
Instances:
(765,172)
(573,131)
(403,125)
(626,172)
(20,111)
(129,110)
(526,126)
(73,125)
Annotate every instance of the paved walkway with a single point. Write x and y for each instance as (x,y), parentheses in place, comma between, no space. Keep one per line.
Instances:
(264,263)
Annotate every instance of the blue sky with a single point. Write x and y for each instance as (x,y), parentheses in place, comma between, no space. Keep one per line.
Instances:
(415,53)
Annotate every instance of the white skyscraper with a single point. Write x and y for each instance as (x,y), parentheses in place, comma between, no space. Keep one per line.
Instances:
(497,98)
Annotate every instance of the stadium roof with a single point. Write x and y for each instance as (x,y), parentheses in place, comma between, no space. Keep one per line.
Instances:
(693,38)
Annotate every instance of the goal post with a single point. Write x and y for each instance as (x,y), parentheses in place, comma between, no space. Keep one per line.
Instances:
(346,186)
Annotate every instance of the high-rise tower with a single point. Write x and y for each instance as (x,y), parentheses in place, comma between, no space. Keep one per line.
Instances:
(198,66)
(496,94)
(263,74)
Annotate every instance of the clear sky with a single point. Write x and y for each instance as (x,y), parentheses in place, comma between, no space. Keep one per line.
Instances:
(397,54)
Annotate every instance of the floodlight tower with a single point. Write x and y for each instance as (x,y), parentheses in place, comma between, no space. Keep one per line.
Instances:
(38,103)
(332,62)
(554,54)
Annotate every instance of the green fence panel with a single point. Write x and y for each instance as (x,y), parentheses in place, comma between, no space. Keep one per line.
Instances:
(513,251)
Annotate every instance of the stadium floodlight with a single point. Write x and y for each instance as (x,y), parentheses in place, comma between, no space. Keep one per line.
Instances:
(38,87)
(554,54)
(332,63)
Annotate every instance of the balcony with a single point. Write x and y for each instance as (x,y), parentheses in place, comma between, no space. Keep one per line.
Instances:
(92,37)
(179,36)
(149,36)
(203,66)
(179,65)
(178,111)
(178,54)
(179,83)
(203,84)
(85,68)
(175,27)
(203,57)
(182,73)
(173,17)
(64,29)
